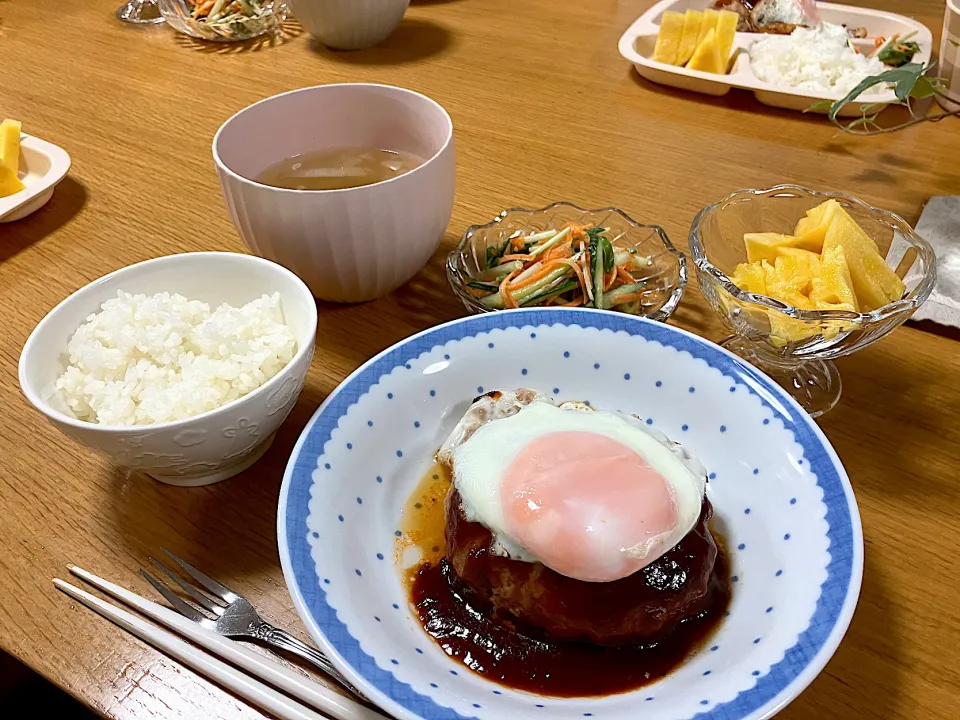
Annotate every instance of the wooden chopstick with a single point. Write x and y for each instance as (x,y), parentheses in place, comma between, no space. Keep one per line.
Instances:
(312,693)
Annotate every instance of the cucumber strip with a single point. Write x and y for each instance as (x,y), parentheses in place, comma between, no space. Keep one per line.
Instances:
(488,286)
(528,272)
(555,240)
(499,271)
(539,237)
(612,297)
(495,300)
(550,293)
(596,261)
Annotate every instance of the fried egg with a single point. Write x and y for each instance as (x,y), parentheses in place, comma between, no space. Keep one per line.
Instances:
(595,496)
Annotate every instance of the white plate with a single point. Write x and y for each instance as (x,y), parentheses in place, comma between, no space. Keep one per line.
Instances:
(637,43)
(780,494)
(42,166)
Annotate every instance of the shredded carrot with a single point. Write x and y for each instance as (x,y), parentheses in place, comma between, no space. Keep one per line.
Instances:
(577,232)
(576,302)
(508,258)
(506,293)
(608,281)
(579,273)
(879,41)
(518,242)
(624,276)
(558,251)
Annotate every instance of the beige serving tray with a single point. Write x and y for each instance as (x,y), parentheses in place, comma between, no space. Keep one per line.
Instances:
(637,43)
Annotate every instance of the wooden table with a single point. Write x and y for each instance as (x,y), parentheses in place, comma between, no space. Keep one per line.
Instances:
(545,109)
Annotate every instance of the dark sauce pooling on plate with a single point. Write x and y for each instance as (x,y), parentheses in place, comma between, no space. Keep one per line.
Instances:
(561,669)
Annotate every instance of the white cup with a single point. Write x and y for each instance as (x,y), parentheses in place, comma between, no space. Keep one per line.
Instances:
(349,24)
(950,52)
(348,245)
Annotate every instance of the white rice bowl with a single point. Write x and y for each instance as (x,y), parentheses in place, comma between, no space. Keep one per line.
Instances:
(151,359)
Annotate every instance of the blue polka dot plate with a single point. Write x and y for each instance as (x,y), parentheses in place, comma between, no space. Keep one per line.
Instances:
(783,504)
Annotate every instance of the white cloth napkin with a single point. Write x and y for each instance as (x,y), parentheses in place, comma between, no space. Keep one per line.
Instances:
(939,225)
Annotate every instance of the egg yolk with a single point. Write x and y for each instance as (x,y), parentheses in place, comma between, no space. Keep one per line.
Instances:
(587,506)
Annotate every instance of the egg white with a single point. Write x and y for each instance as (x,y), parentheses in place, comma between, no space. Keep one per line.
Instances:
(480,462)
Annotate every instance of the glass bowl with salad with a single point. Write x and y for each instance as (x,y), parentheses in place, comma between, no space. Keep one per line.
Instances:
(565,256)
(224,20)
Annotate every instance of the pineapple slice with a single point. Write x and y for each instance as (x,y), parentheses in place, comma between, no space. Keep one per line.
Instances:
(814,226)
(710,19)
(750,277)
(832,287)
(688,39)
(767,246)
(10,144)
(706,57)
(9,183)
(668,38)
(788,280)
(726,31)
(874,283)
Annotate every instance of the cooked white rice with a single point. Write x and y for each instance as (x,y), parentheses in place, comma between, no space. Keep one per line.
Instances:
(819,58)
(145,359)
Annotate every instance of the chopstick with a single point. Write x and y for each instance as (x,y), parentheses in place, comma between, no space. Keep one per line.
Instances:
(307,690)
(246,687)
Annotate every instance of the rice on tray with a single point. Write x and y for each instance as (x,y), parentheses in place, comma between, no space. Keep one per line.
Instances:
(819,58)
(145,359)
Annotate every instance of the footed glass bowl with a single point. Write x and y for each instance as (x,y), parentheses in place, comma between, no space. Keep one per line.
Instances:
(766,330)
(263,16)
(664,277)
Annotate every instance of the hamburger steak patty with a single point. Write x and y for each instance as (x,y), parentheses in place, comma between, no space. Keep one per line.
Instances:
(640,609)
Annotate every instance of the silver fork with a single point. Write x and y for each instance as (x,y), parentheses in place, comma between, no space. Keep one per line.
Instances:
(233,616)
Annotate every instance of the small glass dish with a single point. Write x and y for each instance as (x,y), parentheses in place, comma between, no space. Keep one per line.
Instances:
(765,329)
(237,19)
(660,268)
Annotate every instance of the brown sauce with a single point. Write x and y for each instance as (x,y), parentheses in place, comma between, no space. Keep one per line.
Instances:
(521,658)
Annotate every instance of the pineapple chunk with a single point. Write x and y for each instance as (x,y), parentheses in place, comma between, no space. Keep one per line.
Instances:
(832,287)
(814,226)
(750,277)
(688,39)
(710,19)
(767,246)
(788,280)
(668,38)
(726,30)
(874,283)
(706,57)
(9,183)
(10,144)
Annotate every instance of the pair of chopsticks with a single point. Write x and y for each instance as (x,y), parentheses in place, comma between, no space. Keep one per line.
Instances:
(245,685)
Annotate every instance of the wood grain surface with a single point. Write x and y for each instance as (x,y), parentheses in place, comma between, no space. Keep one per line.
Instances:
(545,109)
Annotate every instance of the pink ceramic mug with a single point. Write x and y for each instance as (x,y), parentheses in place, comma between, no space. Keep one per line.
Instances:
(347,245)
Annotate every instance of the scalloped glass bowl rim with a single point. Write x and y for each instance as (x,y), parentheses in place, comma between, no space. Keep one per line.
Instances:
(911,302)
(454,272)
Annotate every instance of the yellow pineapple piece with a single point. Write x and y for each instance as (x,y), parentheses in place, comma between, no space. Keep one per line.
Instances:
(706,57)
(710,18)
(692,20)
(874,283)
(814,226)
(10,144)
(9,183)
(832,287)
(726,30)
(788,280)
(767,246)
(668,38)
(750,277)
